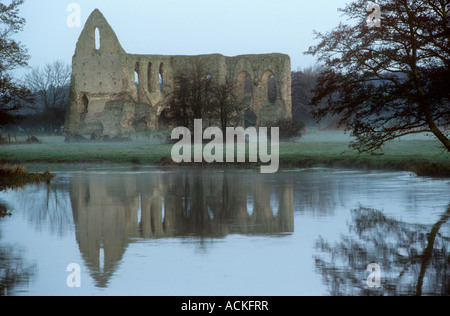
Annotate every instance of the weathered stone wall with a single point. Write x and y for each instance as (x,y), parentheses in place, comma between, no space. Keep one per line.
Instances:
(105,99)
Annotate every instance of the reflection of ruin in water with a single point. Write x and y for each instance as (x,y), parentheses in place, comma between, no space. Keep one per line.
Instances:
(111,210)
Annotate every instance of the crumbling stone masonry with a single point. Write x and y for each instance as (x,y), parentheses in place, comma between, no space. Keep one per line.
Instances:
(113,92)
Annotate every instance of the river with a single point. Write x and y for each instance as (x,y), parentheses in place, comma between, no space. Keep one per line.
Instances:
(227,232)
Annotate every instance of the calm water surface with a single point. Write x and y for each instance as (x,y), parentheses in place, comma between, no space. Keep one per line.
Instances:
(233,232)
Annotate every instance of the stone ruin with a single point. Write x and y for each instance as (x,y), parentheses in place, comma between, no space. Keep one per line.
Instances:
(113,92)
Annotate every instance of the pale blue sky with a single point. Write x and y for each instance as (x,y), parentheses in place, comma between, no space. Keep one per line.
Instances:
(184,27)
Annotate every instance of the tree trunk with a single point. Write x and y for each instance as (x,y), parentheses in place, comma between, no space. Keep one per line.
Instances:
(426,256)
(433,127)
(436,131)
(427,111)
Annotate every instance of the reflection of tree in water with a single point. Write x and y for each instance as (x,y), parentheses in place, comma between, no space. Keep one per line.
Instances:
(414,258)
(43,206)
(46,205)
(4,210)
(14,274)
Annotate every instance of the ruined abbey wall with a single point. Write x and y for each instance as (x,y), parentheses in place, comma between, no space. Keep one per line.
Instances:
(113,92)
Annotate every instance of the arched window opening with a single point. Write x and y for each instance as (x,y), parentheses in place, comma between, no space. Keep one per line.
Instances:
(244,83)
(83,103)
(149,76)
(97,38)
(136,79)
(165,120)
(247,84)
(249,118)
(272,89)
(183,82)
(161,77)
(208,81)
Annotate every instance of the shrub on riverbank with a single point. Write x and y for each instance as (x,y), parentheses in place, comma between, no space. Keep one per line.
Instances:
(17,176)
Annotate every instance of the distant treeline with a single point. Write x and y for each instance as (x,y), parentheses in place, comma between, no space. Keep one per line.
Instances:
(303,83)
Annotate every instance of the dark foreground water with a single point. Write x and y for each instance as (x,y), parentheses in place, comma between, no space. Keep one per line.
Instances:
(197,232)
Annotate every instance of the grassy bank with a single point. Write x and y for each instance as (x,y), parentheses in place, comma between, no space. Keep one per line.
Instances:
(420,154)
(18,176)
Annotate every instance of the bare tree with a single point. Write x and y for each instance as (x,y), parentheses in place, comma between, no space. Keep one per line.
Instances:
(390,80)
(226,110)
(191,97)
(12,56)
(50,87)
(198,94)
